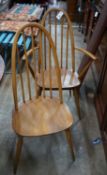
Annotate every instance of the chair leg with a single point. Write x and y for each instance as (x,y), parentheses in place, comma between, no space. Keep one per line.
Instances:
(77,101)
(18,153)
(70,142)
(39,91)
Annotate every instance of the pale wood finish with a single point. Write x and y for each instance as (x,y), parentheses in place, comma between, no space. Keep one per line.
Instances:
(15,52)
(66,79)
(66,26)
(69,77)
(35,115)
(41,116)
(86,67)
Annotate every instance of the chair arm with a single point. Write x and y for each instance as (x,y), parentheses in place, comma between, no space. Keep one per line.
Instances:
(29,52)
(86,53)
(86,66)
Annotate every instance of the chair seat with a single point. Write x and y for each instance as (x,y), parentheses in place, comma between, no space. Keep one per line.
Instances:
(68,81)
(41,116)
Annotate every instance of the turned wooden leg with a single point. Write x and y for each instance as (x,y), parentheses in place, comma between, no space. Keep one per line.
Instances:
(18,153)
(69,139)
(77,100)
(39,91)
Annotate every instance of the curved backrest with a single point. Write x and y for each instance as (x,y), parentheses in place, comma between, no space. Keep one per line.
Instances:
(58,23)
(27,49)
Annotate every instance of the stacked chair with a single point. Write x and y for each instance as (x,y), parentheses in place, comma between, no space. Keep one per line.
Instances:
(38,111)
(59,25)
(34,114)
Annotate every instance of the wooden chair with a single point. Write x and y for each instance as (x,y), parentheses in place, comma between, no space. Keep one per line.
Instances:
(58,23)
(35,115)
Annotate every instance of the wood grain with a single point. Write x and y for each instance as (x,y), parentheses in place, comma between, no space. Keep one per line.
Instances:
(67,80)
(41,117)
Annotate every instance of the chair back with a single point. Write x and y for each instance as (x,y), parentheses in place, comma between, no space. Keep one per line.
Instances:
(58,23)
(25,58)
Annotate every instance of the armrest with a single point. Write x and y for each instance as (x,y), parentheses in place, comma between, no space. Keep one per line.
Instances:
(29,52)
(87,65)
(86,53)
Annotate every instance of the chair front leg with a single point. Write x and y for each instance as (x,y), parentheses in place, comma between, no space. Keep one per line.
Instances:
(18,153)
(70,142)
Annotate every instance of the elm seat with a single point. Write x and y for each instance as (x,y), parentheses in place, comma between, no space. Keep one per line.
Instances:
(67,79)
(41,116)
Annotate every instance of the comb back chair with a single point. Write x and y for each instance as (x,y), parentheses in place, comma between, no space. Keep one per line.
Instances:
(35,115)
(58,23)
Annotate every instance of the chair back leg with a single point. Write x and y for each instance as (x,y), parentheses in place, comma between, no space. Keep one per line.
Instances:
(77,100)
